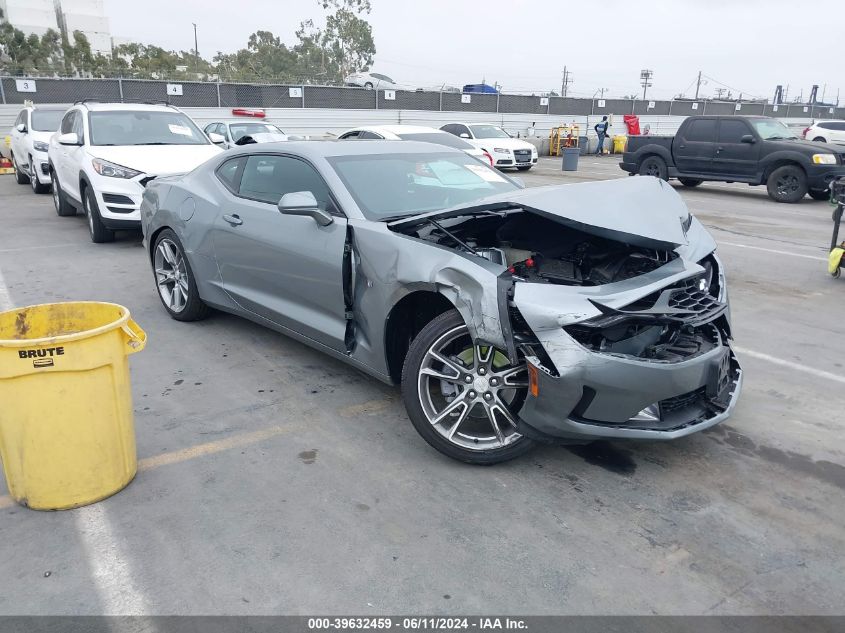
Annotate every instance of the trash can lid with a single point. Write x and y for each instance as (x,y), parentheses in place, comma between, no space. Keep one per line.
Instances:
(50,323)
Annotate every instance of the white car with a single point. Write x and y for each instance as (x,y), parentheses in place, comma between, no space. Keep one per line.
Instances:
(105,153)
(371,81)
(30,136)
(416,133)
(506,151)
(826,132)
(234,130)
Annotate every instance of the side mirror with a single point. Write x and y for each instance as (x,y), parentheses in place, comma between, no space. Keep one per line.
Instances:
(304,203)
(69,139)
(747,138)
(464,135)
(21,127)
(216,138)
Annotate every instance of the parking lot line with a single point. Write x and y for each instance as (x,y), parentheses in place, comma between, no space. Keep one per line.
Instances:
(819,373)
(775,251)
(30,248)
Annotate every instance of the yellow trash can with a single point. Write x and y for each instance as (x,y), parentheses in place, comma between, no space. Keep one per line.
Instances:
(619,143)
(67,436)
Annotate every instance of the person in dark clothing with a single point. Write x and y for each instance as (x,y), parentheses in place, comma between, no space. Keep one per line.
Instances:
(601,129)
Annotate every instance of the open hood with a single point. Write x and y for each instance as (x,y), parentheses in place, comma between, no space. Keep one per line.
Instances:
(640,211)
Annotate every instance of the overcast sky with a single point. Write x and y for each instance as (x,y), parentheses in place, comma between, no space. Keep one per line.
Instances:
(748,46)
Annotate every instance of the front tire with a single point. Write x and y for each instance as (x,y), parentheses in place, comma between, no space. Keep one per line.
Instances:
(820,139)
(96,229)
(461,396)
(20,176)
(64,208)
(37,187)
(690,182)
(787,184)
(175,281)
(654,166)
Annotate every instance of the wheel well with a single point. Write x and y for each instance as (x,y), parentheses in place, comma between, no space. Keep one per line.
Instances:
(152,241)
(406,319)
(821,139)
(647,156)
(778,164)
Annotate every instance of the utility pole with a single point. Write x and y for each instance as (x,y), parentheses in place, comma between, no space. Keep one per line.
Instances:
(697,85)
(565,81)
(196,50)
(719,93)
(645,77)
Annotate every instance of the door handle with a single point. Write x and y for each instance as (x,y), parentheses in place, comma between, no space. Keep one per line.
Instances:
(681,146)
(233,219)
(719,149)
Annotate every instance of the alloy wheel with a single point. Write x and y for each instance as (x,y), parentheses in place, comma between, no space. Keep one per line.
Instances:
(171,275)
(468,392)
(787,184)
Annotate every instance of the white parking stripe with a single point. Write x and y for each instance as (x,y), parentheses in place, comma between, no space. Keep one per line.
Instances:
(5,298)
(772,250)
(791,365)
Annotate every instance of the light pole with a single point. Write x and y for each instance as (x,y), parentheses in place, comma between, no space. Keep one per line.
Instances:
(196,50)
(645,80)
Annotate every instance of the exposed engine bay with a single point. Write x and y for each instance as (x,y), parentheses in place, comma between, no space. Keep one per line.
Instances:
(539,250)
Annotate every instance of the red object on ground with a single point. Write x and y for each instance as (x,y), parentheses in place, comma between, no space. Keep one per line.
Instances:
(632,122)
(253,112)
(5,163)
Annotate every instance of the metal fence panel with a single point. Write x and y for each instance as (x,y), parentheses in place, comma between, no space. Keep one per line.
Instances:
(660,107)
(719,107)
(452,101)
(258,96)
(194,94)
(685,108)
(410,100)
(569,106)
(328,97)
(63,90)
(524,104)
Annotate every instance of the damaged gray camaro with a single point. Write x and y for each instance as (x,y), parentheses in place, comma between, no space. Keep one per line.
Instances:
(508,315)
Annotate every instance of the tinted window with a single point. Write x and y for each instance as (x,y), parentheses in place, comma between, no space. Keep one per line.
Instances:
(441,139)
(370,135)
(268,178)
(140,127)
(701,130)
(78,127)
(391,185)
(67,122)
(833,125)
(731,130)
(229,173)
(351,135)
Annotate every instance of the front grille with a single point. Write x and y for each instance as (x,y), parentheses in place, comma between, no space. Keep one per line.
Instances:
(522,155)
(686,300)
(45,169)
(692,298)
(683,401)
(119,209)
(114,198)
(505,161)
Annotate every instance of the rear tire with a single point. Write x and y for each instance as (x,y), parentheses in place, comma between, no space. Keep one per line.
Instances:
(654,166)
(98,231)
(64,208)
(690,182)
(820,139)
(175,283)
(787,184)
(462,428)
(819,194)
(21,177)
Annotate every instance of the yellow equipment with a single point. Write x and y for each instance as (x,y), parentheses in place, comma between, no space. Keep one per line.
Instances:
(834,260)
(563,136)
(66,424)
(619,143)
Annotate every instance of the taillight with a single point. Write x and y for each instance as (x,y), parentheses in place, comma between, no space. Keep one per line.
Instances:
(804,133)
(488,157)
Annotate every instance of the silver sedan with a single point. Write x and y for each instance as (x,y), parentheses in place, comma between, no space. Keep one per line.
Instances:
(508,315)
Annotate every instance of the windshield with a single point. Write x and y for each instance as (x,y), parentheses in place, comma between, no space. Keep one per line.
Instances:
(144,128)
(488,131)
(770,129)
(388,186)
(242,129)
(46,120)
(441,138)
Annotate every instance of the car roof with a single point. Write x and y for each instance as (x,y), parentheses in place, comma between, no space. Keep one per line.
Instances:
(47,108)
(407,129)
(242,120)
(96,106)
(326,149)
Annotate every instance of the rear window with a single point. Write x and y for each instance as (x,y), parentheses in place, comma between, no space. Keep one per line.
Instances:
(701,130)
(46,120)
(443,138)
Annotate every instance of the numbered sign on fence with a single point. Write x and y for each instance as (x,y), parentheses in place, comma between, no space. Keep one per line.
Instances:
(774,108)
(295,93)
(390,95)
(174,90)
(695,106)
(25,85)
(738,107)
(601,103)
(651,105)
(544,101)
(466,98)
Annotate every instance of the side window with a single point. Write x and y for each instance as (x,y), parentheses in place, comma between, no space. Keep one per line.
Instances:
(701,130)
(229,172)
(67,122)
(825,126)
(448,128)
(463,129)
(79,127)
(268,178)
(366,134)
(731,130)
(20,118)
(839,126)
(211,127)
(351,135)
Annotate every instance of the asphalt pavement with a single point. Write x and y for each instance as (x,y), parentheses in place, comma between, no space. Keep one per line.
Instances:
(275,480)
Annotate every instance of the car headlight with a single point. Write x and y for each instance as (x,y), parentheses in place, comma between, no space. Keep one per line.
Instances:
(112,170)
(824,159)
(40,146)
(501,150)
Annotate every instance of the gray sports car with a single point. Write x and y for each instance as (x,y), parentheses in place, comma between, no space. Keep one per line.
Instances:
(509,315)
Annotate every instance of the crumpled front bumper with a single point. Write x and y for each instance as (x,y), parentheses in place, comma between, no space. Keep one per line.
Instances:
(598,395)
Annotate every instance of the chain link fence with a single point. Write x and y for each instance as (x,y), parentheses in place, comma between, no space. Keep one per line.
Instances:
(16,90)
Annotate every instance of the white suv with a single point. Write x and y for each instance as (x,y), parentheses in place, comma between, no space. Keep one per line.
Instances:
(506,151)
(29,138)
(826,132)
(105,153)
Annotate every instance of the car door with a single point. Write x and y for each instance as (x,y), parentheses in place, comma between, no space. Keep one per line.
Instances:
(18,138)
(694,145)
(67,166)
(284,268)
(733,157)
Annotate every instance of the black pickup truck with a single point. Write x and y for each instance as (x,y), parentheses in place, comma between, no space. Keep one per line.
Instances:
(754,149)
